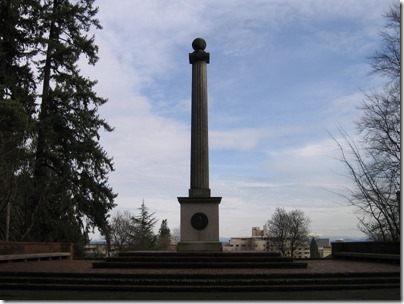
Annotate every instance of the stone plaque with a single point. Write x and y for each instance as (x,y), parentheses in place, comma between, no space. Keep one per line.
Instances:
(199,221)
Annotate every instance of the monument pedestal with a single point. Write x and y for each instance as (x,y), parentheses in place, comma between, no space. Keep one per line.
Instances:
(199,224)
(199,247)
(199,211)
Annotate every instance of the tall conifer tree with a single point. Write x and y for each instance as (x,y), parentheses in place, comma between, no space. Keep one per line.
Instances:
(67,192)
(144,237)
(17,106)
(71,167)
(164,236)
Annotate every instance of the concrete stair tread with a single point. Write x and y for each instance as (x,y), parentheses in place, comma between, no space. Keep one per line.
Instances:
(204,276)
(193,260)
(198,282)
(219,287)
(196,259)
(204,254)
(188,281)
(198,265)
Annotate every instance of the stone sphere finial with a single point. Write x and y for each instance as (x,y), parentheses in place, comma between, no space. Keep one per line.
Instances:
(199,44)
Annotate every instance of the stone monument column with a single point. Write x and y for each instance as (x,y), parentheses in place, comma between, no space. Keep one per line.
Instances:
(199,121)
(199,211)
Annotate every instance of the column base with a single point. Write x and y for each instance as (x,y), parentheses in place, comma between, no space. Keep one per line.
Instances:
(188,246)
(204,231)
(199,193)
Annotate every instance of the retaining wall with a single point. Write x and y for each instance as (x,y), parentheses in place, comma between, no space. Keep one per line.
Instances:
(7,248)
(366,247)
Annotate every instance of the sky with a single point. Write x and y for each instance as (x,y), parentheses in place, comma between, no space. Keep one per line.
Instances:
(283,76)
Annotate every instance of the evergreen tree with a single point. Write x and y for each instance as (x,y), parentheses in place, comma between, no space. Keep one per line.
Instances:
(144,237)
(164,236)
(70,168)
(314,253)
(17,106)
(64,170)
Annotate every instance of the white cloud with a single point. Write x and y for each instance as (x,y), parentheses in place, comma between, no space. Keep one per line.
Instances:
(315,150)
(273,154)
(144,35)
(240,139)
(303,156)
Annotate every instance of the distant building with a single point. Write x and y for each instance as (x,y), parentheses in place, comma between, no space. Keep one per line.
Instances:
(100,250)
(261,241)
(302,252)
(324,247)
(246,244)
(257,242)
(257,232)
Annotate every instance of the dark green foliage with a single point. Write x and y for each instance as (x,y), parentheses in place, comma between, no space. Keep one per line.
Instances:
(17,107)
(164,236)
(136,232)
(314,253)
(144,237)
(67,148)
(62,169)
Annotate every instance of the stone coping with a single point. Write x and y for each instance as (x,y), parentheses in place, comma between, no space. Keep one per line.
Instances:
(313,266)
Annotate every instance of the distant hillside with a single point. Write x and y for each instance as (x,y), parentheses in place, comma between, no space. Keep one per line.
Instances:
(348,238)
(224,239)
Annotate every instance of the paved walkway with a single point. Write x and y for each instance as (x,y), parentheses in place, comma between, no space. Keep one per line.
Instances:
(379,295)
(83,266)
(314,266)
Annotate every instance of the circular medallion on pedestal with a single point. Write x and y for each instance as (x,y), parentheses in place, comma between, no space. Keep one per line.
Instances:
(199,221)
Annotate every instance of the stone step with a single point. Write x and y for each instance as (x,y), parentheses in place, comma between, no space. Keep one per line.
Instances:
(155,256)
(198,283)
(165,288)
(198,254)
(199,265)
(203,275)
(198,260)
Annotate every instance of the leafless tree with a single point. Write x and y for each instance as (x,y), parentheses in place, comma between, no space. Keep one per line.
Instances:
(121,230)
(298,229)
(373,196)
(373,163)
(386,61)
(176,234)
(288,230)
(277,228)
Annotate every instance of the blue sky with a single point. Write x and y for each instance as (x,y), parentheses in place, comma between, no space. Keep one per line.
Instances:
(282,76)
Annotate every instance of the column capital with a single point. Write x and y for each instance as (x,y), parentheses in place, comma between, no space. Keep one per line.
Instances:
(198,56)
(199,53)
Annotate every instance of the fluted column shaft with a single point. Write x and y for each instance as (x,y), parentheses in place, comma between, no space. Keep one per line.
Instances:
(199,125)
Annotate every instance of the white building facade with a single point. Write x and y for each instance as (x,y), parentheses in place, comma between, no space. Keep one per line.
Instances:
(261,241)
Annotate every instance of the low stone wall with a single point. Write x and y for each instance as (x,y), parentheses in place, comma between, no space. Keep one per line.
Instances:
(366,247)
(7,248)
